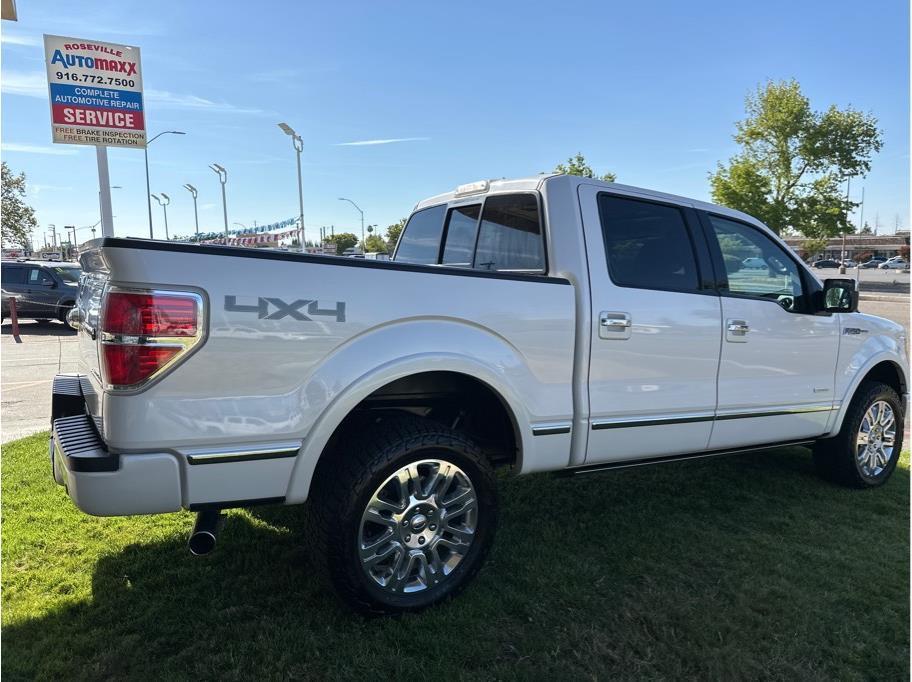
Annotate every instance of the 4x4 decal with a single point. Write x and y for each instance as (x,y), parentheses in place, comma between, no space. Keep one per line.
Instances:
(282,309)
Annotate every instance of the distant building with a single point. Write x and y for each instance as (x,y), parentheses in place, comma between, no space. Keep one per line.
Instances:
(886,245)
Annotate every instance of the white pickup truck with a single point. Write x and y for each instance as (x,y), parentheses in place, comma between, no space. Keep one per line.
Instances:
(553,323)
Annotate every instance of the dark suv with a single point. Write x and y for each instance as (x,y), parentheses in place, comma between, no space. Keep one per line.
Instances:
(44,290)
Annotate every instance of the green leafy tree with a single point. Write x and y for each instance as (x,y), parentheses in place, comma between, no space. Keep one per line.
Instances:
(342,240)
(374,242)
(813,247)
(576,165)
(793,161)
(18,217)
(393,232)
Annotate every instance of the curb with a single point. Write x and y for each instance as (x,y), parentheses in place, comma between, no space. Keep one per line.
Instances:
(885,298)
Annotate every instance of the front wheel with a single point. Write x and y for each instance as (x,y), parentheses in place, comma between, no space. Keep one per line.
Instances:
(404,513)
(866,450)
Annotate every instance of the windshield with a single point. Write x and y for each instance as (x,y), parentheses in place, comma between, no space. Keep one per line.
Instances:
(68,274)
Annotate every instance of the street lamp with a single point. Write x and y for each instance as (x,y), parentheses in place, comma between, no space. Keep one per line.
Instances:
(298,147)
(190,188)
(164,205)
(362,219)
(243,226)
(223,178)
(146,152)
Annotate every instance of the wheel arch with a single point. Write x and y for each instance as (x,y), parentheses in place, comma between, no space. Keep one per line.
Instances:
(883,367)
(382,381)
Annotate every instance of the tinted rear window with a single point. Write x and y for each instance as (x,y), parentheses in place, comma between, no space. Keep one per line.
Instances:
(460,235)
(509,237)
(12,274)
(420,242)
(647,245)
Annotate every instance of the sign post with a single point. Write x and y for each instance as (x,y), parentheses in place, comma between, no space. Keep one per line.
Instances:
(96,98)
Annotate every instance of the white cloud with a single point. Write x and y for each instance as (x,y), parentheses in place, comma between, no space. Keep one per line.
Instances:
(392,140)
(60,150)
(167,99)
(28,84)
(19,39)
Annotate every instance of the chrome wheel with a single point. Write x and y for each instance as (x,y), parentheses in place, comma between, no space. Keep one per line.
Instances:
(418,526)
(876,439)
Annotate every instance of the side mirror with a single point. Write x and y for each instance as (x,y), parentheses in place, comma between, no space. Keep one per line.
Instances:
(840,296)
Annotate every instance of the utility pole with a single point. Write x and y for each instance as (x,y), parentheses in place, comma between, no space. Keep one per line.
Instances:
(845,229)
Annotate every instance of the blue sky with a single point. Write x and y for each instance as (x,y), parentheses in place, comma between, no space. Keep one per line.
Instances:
(649,90)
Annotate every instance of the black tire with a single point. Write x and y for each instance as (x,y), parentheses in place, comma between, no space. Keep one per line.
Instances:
(64,311)
(348,477)
(835,458)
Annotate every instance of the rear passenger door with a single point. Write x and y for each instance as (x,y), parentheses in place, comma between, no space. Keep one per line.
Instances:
(41,290)
(656,327)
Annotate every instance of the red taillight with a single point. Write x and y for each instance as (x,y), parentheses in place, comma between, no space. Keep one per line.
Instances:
(141,333)
(150,314)
(128,365)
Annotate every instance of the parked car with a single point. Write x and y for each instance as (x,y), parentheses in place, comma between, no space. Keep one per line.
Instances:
(43,290)
(873,263)
(553,323)
(754,264)
(897,264)
(849,263)
(826,263)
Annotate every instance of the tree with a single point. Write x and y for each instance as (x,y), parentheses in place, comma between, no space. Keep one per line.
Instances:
(393,232)
(18,217)
(576,165)
(904,251)
(813,247)
(866,229)
(342,240)
(374,242)
(793,161)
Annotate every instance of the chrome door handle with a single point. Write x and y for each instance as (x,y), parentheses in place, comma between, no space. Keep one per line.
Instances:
(614,325)
(736,331)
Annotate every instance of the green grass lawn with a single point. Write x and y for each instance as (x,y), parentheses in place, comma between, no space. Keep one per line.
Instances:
(743,567)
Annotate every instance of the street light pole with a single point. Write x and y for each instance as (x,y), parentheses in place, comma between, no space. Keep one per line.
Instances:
(148,189)
(190,188)
(362,219)
(164,205)
(298,144)
(223,178)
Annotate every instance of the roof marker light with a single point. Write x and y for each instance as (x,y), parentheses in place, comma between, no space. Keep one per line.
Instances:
(473,188)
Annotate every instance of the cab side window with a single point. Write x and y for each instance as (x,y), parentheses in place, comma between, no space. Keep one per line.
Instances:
(462,226)
(420,241)
(756,266)
(13,274)
(647,245)
(510,235)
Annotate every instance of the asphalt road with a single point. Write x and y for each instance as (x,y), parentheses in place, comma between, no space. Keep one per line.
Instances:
(28,368)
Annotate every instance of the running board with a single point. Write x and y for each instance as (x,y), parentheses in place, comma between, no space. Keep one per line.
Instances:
(629,463)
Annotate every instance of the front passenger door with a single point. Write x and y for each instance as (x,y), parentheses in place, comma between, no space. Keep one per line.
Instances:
(776,374)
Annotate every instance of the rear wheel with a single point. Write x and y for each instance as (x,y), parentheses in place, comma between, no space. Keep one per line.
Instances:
(866,450)
(404,514)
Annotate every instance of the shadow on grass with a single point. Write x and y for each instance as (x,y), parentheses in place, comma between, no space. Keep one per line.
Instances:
(744,567)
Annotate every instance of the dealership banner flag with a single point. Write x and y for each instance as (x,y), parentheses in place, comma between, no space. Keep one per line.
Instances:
(96,92)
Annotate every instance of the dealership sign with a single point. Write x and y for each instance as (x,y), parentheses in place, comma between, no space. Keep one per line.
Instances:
(96,92)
